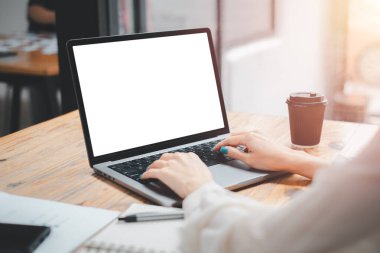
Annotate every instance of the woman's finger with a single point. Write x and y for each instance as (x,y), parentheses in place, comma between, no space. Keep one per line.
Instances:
(167,156)
(157,164)
(152,174)
(235,153)
(232,141)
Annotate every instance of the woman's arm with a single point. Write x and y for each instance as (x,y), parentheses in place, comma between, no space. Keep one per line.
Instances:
(340,209)
(41,15)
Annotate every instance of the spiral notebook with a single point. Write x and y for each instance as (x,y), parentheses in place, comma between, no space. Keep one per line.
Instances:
(141,237)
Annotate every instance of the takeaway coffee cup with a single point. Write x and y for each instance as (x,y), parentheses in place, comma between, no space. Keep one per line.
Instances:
(306,113)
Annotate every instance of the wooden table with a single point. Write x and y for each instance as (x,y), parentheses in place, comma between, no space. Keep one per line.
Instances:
(49,161)
(31,69)
(32,63)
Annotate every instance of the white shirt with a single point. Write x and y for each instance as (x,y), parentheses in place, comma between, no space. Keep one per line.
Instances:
(338,212)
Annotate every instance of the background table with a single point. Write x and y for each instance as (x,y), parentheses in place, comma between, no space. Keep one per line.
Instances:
(31,69)
(49,161)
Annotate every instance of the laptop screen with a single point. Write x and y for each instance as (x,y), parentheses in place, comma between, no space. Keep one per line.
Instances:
(146,91)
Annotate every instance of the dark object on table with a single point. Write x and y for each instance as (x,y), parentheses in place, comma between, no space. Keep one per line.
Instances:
(7,54)
(16,238)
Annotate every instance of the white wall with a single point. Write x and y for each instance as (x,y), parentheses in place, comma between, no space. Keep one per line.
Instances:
(13,16)
(259,76)
(181,14)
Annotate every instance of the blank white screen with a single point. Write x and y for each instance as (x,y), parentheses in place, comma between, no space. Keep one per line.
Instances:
(141,92)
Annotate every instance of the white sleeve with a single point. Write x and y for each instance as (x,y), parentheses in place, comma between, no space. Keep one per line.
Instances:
(339,208)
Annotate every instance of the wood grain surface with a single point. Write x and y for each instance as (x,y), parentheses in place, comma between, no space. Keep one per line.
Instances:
(31,63)
(49,161)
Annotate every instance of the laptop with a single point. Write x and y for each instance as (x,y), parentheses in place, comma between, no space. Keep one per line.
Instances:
(143,95)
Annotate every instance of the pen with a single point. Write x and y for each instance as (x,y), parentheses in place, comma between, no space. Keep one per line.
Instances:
(152,217)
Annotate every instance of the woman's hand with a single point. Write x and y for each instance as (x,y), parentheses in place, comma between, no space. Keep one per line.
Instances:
(185,172)
(181,172)
(260,153)
(263,154)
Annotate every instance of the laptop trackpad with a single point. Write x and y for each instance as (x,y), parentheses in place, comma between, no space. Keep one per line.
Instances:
(235,173)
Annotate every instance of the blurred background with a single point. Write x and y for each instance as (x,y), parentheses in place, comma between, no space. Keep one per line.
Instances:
(266,49)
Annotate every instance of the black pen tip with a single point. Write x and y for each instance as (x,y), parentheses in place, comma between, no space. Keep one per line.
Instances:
(128,218)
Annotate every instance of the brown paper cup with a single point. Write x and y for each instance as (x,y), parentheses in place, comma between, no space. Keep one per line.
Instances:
(306,113)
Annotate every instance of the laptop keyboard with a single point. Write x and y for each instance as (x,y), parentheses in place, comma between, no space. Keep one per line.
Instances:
(135,168)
